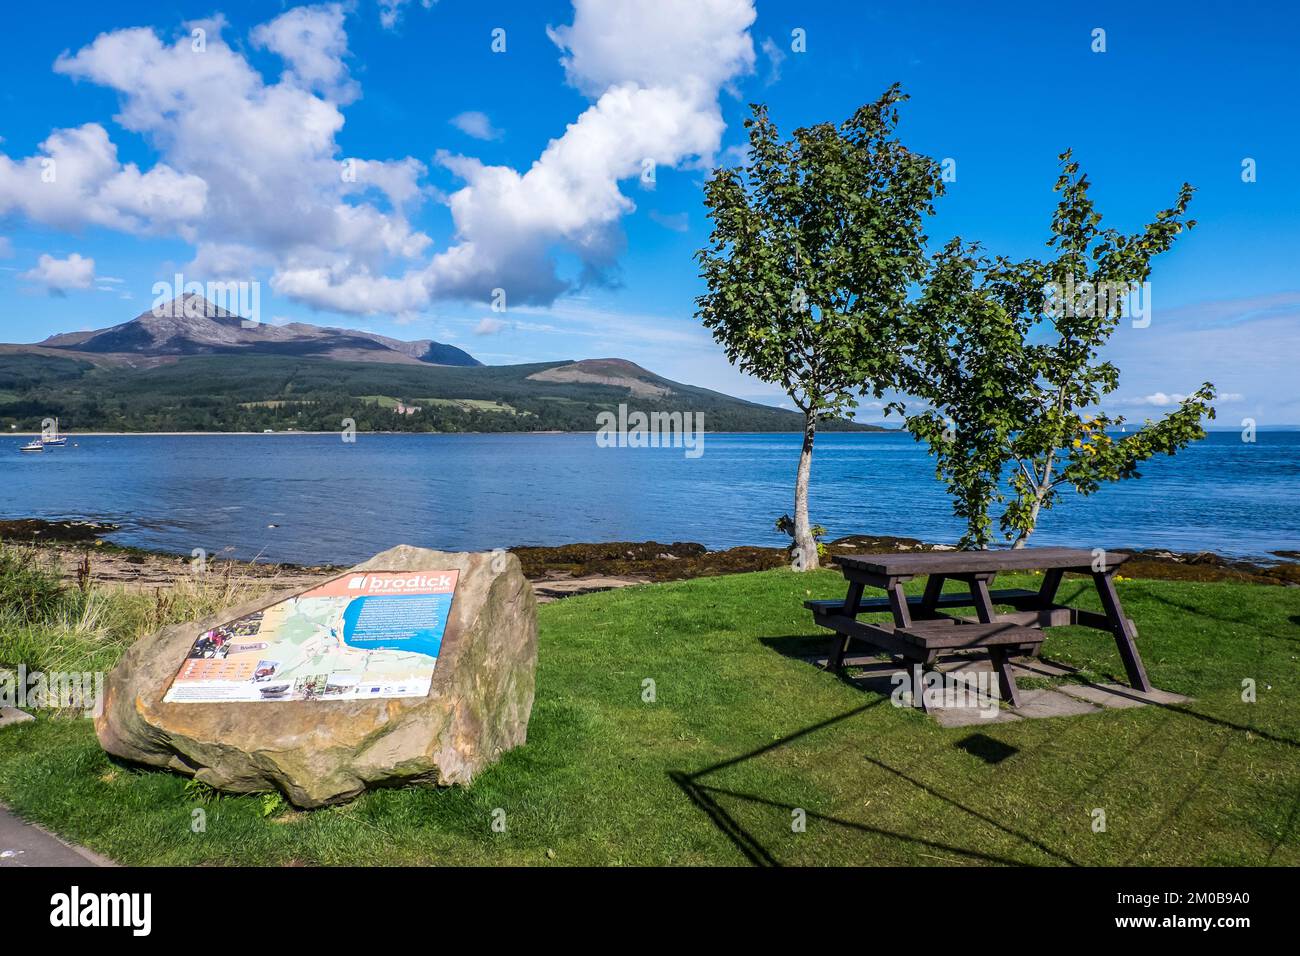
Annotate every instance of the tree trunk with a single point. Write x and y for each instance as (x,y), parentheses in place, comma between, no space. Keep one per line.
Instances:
(1041,488)
(1033,522)
(804,543)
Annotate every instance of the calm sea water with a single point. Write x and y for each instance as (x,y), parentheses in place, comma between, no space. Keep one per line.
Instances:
(333,502)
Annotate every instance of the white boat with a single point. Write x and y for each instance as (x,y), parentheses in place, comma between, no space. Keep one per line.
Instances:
(54,438)
(34,445)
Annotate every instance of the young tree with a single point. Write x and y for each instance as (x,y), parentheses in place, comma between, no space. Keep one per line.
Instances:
(811,255)
(1007,356)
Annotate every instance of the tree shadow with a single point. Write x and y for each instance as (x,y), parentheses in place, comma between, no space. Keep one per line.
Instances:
(1120,689)
(704,796)
(874,674)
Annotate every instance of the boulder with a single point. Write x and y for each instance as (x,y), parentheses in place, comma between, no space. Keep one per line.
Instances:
(322,750)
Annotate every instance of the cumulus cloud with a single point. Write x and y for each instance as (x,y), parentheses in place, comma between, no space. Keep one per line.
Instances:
(312,43)
(60,275)
(476,124)
(655,72)
(76,180)
(489,327)
(1161,400)
(251,172)
(689,45)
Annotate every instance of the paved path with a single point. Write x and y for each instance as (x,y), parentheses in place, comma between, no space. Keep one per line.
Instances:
(24,844)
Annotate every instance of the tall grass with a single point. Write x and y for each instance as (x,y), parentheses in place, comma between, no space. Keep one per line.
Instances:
(29,588)
(49,626)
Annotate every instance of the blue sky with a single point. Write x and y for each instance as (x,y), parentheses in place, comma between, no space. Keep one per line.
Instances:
(223,163)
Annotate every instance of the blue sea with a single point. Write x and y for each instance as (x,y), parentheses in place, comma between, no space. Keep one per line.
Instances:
(316,499)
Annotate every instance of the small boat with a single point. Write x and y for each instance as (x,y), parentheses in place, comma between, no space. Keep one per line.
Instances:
(34,445)
(54,438)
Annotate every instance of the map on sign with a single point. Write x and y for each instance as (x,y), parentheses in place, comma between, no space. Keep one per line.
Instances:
(364,635)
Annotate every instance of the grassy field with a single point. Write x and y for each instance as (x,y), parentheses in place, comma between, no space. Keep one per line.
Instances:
(740,735)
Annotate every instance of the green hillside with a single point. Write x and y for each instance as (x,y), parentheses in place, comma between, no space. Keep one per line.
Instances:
(257,392)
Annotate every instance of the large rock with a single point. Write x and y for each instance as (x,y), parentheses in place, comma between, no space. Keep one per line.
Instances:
(326,751)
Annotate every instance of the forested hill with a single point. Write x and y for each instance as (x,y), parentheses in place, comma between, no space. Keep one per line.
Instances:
(254,392)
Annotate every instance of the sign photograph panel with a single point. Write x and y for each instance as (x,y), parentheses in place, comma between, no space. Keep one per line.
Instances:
(364,635)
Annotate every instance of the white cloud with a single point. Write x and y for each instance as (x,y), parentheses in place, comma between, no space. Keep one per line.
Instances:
(6,248)
(76,180)
(252,173)
(677,221)
(655,72)
(691,45)
(390,11)
(489,326)
(736,155)
(312,43)
(275,194)
(1245,346)
(361,293)
(476,124)
(775,57)
(60,275)
(1161,400)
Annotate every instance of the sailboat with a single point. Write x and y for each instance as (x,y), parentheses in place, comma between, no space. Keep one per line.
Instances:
(54,438)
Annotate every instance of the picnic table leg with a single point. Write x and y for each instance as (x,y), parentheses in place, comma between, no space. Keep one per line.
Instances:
(840,643)
(898,603)
(979,591)
(1001,658)
(1122,629)
(917,669)
(933,591)
(1051,584)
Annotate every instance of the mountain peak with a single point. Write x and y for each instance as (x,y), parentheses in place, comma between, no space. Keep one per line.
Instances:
(192,324)
(189,305)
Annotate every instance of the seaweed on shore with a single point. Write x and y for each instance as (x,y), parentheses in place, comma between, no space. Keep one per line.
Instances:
(656,561)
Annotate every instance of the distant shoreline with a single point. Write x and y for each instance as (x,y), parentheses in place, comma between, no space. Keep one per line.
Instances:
(875,430)
(75,435)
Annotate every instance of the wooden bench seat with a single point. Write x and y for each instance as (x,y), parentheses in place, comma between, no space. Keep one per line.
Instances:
(949,635)
(954,600)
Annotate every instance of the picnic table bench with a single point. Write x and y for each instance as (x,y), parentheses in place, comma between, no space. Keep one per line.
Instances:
(921,630)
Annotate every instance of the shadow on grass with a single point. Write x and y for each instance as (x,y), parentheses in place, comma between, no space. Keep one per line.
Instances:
(811,648)
(704,794)
(1194,611)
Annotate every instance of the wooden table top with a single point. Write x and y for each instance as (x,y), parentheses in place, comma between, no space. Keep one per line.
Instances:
(975,562)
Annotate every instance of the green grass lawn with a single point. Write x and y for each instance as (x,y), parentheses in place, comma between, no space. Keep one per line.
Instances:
(742,733)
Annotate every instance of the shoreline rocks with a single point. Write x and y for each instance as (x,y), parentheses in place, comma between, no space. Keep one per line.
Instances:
(561,570)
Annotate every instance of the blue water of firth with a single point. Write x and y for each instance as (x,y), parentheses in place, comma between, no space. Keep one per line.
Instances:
(334,502)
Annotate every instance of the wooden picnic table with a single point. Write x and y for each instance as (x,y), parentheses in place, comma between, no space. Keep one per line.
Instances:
(921,631)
